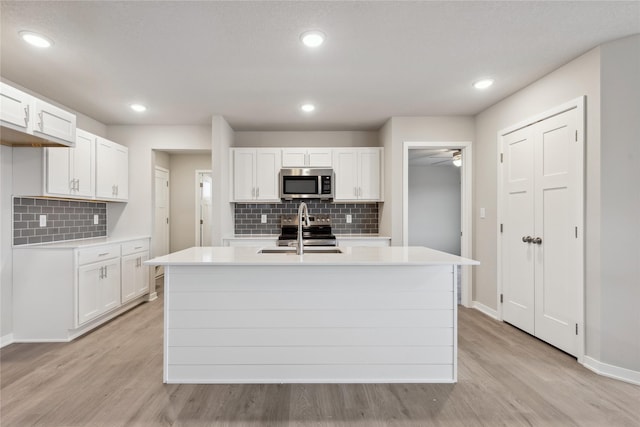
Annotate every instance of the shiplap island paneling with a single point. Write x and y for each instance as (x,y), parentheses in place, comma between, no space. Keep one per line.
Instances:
(366,315)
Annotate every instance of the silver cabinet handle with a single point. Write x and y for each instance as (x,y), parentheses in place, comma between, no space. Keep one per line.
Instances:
(537,241)
(527,239)
(102,272)
(26,115)
(103,254)
(257,192)
(41,124)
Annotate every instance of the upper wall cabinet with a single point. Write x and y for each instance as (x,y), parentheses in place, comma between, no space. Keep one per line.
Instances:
(71,171)
(95,169)
(112,171)
(255,174)
(27,120)
(358,174)
(306,157)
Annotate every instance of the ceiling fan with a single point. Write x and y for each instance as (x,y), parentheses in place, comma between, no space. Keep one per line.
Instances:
(438,156)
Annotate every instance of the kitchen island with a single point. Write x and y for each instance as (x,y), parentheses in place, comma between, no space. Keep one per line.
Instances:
(365,315)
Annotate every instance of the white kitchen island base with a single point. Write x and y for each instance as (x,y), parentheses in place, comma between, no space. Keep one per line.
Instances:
(316,318)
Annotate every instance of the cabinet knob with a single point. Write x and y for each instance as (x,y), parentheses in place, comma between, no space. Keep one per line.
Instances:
(537,241)
(527,239)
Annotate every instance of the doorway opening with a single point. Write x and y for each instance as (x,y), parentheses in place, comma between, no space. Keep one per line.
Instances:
(204,198)
(437,159)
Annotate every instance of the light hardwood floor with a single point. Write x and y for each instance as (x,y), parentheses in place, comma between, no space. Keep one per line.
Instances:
(113,377)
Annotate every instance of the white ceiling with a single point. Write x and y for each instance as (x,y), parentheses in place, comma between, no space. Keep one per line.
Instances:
(243,60)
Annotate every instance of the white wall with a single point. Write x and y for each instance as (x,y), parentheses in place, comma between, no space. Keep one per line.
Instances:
(620,203)
(183,197)
(306,139)
(393,134)
(135,218)
(6,256)
(434,207)
(221,139)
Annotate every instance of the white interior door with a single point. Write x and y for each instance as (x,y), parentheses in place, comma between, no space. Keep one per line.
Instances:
(161,227)
(541,254)
(204,208)
(556,284)
(517,253)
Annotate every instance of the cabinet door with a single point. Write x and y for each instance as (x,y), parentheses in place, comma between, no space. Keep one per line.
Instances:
(129,275)
(53,121)
(267,173)
(82,164)
(142,275)
(110,285)
(345,168)
(244,174)
(319,158)
(14,107)
(59,178)
(369,174)
(105,182)
(89,294)
(294,157)
(121,167)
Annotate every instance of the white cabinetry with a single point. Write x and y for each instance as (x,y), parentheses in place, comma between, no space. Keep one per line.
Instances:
(76,286)
(71,171)
(112,170)
(306,157)
(135,275)
(358,174)
(29,115)
(255,174)
(99,286)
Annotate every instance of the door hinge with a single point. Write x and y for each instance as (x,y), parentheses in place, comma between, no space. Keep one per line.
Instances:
(501,298)
(167,220)
(201,185)
(501,228)
(201,222)
(501,157)
(167,183)
(576,329)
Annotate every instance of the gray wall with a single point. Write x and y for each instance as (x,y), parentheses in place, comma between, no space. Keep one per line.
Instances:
(620,203)
(434,207)
(182,192)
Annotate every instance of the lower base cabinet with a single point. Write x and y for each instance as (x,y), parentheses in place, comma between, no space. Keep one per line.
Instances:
(76,287)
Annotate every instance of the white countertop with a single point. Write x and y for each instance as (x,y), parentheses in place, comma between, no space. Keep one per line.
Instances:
(275,236)
(395,255)
(81,243)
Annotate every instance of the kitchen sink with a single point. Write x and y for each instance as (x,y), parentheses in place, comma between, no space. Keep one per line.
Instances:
(292,251)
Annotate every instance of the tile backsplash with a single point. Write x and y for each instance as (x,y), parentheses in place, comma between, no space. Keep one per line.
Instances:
(364,216)
(66,220)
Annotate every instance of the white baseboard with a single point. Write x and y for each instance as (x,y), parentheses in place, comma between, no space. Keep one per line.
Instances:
(611,371)
(484,309)
(6,340)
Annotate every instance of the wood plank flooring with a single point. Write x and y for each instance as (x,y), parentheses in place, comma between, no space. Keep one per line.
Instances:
(113,377)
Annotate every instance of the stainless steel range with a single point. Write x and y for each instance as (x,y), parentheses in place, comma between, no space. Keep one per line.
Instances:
(318,233)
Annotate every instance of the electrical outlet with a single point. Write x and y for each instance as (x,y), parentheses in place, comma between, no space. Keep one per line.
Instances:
(483,213)
(349,219)
(43,220)
(263,218)
(96,220)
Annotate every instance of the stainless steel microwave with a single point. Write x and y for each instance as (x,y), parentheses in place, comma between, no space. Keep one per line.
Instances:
(306,183)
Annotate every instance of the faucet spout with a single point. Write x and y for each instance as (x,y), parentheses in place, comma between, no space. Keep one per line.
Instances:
(302,212)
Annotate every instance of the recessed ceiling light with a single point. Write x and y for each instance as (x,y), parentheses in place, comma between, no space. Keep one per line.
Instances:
(312,38)
(307,108)
(483,84)
(34,39)
(139,108)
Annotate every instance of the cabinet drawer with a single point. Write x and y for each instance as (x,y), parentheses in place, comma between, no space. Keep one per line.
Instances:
(135,246)
(98,253)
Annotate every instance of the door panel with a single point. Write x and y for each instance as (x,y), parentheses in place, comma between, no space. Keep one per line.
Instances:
(517,256)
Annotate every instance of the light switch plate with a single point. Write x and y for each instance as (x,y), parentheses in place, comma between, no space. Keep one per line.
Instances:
(95,220)
(43,220)
(263,218)
(349,219)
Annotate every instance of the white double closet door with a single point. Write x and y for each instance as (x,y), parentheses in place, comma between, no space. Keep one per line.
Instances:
(541,210)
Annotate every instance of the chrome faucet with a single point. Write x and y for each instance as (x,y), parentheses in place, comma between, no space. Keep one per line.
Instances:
(302,210)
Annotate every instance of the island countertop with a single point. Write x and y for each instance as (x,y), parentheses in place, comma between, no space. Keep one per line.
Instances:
(394,255)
